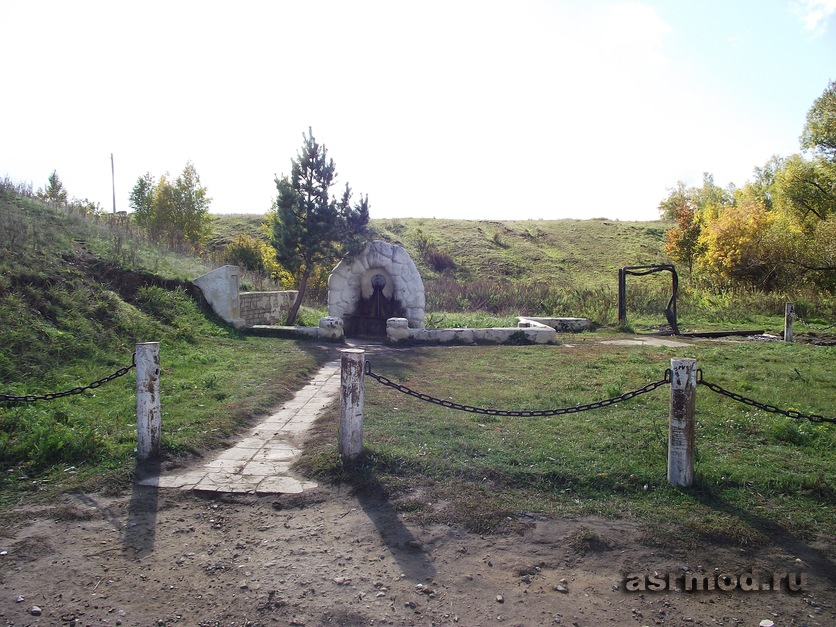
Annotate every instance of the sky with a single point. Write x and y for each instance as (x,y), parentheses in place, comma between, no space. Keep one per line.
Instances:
(466,109)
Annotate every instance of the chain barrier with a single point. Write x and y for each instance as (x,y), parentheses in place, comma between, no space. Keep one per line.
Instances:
(31,398)
(521,414)
(813,327)
(789,413)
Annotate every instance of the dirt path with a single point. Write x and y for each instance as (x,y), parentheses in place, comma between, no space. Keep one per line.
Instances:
(325,557)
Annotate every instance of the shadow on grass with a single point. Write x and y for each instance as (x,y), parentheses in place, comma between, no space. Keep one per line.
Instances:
(819,563)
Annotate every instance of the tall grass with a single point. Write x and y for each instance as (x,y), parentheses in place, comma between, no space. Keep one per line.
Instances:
(645,299)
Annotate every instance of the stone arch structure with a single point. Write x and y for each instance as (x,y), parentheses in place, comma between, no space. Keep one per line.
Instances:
(382,282)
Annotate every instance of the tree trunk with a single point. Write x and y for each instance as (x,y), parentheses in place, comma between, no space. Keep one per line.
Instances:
(303,286)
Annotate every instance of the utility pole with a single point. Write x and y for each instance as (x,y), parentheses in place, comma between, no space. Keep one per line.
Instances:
(113,181)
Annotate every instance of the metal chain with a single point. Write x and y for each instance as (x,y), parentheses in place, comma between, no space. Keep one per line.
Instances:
(789,413)
(31,398)
(813,327)
(522,414)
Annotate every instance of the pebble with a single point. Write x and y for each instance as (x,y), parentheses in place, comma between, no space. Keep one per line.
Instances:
(500,598)
(35,610)
(20,598)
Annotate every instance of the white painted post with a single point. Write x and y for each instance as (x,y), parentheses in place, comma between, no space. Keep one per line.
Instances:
(352,374)
(789,316)
(148,414)
(681,430)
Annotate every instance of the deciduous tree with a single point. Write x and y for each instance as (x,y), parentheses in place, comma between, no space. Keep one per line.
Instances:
(736,244)
(175,211)
(819,133)
(682,243)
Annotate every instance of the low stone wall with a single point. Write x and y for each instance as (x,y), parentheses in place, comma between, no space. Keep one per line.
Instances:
(561,325)
(397,331)
(264,308)
(330,328)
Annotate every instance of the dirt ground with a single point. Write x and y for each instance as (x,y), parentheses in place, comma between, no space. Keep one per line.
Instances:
(328,557)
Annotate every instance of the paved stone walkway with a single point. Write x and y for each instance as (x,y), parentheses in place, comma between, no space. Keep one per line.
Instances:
(260,462)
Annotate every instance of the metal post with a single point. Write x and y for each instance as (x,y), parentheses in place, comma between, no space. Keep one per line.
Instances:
(622,297)
(681,430)
(352,374)
(148,414)
(113,181)
(789,316)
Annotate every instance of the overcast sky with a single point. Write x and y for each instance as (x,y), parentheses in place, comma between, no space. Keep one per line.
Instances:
(449,109)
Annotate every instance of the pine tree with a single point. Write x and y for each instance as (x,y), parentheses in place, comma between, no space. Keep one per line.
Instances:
(309,227)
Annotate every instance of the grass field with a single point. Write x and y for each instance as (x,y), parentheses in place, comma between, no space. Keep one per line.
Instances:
(754,470)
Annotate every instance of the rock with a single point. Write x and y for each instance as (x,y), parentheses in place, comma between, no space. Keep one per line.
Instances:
(19,598)
(500,598)
(35,610)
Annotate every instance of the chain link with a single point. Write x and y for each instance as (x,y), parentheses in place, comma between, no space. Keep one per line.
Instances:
(521,414)
(31,398)
(813,327)
(789,413)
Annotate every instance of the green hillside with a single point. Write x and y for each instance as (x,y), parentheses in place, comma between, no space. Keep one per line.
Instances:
(584,252)
(76,295)
(580,252)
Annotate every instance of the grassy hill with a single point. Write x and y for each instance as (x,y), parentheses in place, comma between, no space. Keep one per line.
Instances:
(582,252)
(560,268)
(76,295)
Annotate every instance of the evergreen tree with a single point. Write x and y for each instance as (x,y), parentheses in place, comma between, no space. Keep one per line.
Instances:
(308,226)
(55,191)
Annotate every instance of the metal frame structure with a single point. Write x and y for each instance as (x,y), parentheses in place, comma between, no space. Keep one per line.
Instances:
(670,310)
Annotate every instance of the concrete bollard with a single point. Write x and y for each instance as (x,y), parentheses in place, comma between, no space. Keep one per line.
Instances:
(331,328)
(681,429)
(789,316)
(352,374)
(397,330)
(148,414)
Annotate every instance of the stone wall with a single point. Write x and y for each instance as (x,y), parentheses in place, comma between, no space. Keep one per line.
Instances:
(265,307)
